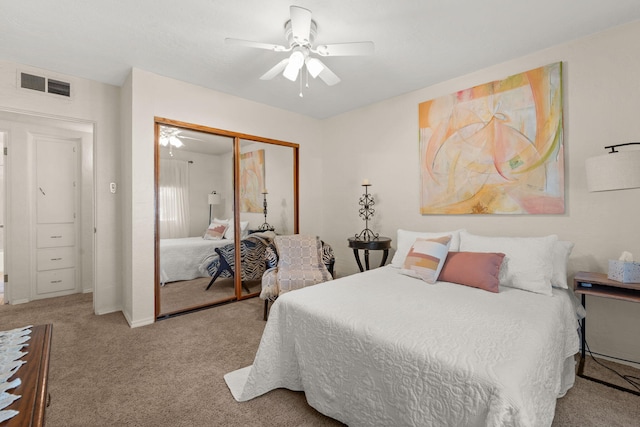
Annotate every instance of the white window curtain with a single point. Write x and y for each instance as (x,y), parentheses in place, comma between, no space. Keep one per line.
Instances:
(173,198)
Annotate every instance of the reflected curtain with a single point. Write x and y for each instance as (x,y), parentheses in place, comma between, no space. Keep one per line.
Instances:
(173,198)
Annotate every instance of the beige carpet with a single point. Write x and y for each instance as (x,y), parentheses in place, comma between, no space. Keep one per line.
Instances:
(103,373)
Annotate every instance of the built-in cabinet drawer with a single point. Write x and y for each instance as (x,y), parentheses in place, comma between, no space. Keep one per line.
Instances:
(56,280)
(56,258)
(54,235)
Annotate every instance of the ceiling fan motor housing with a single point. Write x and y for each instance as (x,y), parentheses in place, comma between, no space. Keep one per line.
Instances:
(288,34)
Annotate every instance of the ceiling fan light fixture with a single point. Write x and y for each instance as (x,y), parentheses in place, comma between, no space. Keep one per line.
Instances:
(296,61)
(314,66)
(175,141)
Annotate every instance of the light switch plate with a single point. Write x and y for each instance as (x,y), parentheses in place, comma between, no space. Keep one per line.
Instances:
(112,187)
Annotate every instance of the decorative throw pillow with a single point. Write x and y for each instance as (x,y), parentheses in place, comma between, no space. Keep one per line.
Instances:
(476,269)
(561,251)
(528,262)
(215,231)
(426,257)
(406,238)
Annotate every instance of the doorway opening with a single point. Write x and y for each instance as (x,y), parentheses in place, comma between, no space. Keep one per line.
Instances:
(47,207)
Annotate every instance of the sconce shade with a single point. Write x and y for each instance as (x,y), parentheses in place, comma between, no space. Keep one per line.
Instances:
(614,171)
(214,198)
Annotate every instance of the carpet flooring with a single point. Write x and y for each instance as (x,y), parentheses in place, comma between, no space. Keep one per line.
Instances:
(104,373)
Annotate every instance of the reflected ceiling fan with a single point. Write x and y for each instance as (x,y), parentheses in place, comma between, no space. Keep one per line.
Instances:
(171,137)
(300,32)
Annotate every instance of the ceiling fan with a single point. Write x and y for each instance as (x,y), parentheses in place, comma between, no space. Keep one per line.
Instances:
(300,32)
(171,137)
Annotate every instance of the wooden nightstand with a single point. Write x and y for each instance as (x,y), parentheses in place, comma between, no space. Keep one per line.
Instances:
(377,244)
(597,284)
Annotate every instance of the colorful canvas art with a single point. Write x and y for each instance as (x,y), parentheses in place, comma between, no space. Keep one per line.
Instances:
(251,181)
(496,148)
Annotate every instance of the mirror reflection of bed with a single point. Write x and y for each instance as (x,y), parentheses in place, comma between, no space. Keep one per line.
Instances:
(195,195)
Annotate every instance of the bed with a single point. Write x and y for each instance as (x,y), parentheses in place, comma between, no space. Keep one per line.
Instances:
(181,259)
(384,348)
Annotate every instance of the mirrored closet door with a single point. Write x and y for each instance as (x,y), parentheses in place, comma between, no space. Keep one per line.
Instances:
(202,174)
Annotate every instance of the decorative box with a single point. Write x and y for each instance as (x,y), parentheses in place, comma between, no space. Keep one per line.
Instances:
(624,271)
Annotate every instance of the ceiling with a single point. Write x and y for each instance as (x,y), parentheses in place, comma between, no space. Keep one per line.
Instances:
(417,43)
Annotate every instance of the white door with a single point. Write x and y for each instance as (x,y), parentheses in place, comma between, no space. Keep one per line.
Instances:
(56,195)
(49,227)
(56,166)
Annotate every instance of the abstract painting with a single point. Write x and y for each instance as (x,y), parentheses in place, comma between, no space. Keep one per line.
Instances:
(251,181)
(496,148)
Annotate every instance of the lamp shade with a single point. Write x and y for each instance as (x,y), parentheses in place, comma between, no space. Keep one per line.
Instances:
(614,171)
(214,198)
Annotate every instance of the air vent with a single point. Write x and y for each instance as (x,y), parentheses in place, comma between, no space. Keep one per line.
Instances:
(29,81)
(58,87)
(43,84)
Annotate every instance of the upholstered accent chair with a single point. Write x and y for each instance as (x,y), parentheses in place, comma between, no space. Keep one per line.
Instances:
(294,262)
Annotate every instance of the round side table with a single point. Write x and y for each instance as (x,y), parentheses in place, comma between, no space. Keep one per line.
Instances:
(377,244)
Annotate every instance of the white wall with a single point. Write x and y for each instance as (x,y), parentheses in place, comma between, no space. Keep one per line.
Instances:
(601,107)
(96,103)
(153,95)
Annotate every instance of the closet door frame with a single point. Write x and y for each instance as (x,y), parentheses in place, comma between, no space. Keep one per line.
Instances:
(237,137)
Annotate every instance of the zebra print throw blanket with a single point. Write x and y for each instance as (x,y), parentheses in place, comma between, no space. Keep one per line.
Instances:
(252,253)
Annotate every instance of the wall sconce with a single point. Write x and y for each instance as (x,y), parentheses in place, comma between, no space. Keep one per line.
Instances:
(614,170)
(366,212)
(214,199)
(265,226)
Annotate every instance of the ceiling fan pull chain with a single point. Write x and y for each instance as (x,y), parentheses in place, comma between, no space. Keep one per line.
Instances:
(301,95)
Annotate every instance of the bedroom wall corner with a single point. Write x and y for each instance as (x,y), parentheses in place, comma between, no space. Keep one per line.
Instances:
(126,111)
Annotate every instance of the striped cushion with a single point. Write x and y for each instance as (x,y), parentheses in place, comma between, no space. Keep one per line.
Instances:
(426,258)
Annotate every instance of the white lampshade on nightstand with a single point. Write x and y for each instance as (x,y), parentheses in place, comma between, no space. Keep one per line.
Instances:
(213,199)
(617,170)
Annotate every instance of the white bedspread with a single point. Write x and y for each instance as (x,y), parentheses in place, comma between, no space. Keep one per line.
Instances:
(180,259)
(380,348)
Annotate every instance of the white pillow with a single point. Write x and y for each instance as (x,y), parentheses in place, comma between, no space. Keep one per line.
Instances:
(426,258)
(243,230)
(561,251)
(528,261)
(406,239)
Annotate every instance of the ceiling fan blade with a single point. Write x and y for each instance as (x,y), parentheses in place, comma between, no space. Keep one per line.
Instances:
(345,49)
(249,43)
(277,69)
(300,24)
(328,76)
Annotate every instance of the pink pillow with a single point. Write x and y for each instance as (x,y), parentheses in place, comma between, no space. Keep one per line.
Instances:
(476,269)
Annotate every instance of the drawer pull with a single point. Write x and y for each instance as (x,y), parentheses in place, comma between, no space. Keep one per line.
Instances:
(56,237)
(56,259)
(56,281)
